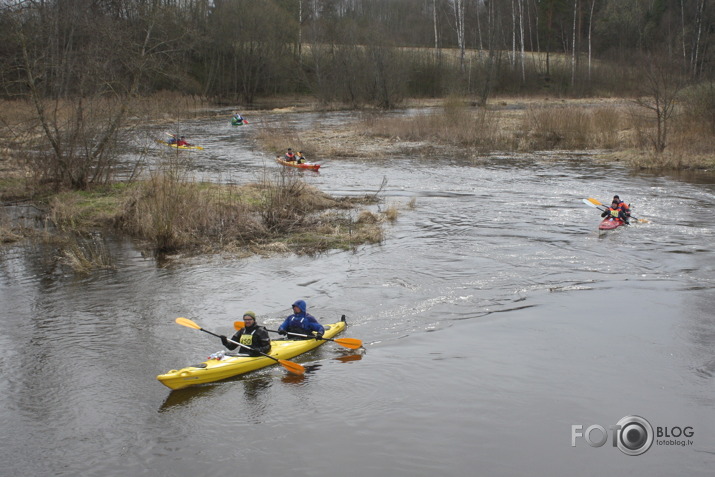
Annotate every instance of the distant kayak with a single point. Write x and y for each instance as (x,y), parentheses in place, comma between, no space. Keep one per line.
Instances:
(306,165)
(610,223)
(235,122)
(190,146)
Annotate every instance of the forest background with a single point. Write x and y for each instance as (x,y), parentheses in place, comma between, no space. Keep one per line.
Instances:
(80,78)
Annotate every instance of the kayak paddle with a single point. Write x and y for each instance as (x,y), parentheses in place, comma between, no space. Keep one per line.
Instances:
(352,343)
(588,202)
(595,202)
(294,368)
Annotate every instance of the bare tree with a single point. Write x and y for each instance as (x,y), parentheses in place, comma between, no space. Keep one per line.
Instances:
(661,85)
(459,29)
(590,30)
(81,68)
(522,41)
(573,44)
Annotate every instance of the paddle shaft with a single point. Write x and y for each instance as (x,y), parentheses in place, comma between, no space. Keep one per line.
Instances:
(242,345)
(306,336)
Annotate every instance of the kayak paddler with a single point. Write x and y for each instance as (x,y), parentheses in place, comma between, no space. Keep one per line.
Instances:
(615,212)
(301,322)
(252,335)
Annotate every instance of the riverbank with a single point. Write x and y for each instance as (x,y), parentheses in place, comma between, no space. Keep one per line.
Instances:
(618,129)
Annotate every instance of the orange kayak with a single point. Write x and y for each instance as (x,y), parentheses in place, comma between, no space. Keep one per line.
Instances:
(306,165)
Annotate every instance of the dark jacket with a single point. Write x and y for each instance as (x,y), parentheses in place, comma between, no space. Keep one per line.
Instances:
(254,336)
(302,323)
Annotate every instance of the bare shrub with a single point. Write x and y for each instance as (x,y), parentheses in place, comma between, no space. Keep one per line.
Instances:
(173,214)
(281,208)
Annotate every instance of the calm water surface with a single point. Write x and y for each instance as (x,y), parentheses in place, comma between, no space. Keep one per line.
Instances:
(494,317)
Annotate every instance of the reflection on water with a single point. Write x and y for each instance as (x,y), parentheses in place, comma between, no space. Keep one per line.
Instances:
(182,397)
(350,357)
(495,314)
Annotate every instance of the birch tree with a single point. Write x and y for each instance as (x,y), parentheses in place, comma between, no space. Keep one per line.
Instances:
(458,8)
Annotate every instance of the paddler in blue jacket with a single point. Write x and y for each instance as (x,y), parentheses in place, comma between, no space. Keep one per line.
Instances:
(302,323)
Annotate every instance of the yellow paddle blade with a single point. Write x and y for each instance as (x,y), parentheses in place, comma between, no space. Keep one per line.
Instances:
(594,201)
(294,368)
(239,325)
(351,343)
(186,322)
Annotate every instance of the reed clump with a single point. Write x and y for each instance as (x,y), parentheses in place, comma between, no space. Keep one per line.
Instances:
(454,125)
(573,128)
(278,138)
(86,254)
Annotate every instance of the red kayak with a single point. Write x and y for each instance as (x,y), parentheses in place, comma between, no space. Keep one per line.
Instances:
(306,165)
(610,223)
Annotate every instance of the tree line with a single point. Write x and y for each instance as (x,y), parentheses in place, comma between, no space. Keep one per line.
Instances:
(353,51)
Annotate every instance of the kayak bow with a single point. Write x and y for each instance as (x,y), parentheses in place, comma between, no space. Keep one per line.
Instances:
(610,223)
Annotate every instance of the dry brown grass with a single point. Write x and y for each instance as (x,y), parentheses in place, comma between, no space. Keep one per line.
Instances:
(391,212)
(169,214)
(175,215)
(8,235)
(277,138)
(86,254)
(574,127)
(520,125)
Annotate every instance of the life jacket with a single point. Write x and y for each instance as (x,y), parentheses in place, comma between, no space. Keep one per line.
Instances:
(290,156)
(615,213)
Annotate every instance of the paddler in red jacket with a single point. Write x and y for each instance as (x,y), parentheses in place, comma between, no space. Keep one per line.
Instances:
(624,207)
(615,212)
(289,156)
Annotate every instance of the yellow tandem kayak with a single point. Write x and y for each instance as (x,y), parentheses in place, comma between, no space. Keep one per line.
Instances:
(231,365)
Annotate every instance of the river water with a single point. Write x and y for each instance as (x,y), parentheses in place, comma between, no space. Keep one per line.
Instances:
(499,326)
